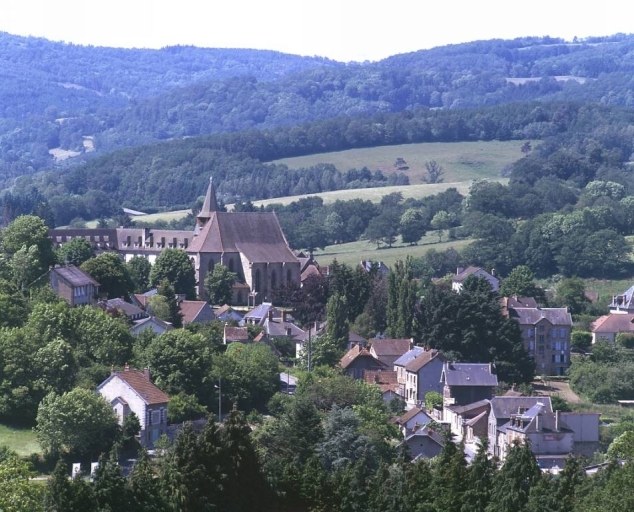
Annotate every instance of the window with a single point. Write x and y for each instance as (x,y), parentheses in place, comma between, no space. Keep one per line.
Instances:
(155,418)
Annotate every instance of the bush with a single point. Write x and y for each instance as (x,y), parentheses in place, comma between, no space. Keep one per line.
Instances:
(581,340)
(183,407)
(625,339)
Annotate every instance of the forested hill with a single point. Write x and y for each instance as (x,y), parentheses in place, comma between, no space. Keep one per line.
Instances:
(90,100)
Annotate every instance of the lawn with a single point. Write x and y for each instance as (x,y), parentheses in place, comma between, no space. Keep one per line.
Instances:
(352,253)
(20,440)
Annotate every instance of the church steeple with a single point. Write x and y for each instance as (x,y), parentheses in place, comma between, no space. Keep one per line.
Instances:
(210,205)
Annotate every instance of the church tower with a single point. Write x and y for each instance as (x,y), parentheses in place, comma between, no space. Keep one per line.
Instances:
(210,206)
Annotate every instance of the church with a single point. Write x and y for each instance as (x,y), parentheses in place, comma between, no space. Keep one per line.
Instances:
(251,244)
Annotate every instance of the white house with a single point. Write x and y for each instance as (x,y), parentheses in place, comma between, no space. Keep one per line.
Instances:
(132,391)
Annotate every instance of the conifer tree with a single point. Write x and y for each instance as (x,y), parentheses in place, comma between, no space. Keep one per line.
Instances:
(111,491)
(513,482)
(450,477)
(480,476)
(146,491)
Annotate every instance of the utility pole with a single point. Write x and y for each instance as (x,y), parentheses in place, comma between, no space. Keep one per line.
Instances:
(219,388)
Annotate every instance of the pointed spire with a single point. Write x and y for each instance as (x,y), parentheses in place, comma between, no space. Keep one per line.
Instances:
(210,205)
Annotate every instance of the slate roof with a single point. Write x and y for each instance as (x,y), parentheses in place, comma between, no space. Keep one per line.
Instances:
(257,235)
(469,374)
(481,418)
(503,407)
(154,235)
(462,409)
(412,413)
(277,327)
(390,346)
(190,309)
(409,356)
(152,319)
(461,276)
(532,316)
(75,276)
(128,309)
(624,300)
(426,431)
(141,385)
(614,323)
(426,357)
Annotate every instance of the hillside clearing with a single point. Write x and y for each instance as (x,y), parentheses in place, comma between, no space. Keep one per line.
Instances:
(352,253)
(461,161)
(23,441)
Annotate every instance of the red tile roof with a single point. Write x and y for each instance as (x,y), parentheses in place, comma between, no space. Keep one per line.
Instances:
(142,385)
(385,379)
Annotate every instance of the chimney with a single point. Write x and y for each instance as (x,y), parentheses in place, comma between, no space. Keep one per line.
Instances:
(537,421)
(126,368)
(270,314)
(556,421)
(146,373)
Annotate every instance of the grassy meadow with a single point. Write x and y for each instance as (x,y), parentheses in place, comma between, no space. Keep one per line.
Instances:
(461,161)
(23,441)
(352,253)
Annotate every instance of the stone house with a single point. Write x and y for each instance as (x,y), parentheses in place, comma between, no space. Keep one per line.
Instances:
(357,360)
(546,336)
(388,350)
(132,391)
(465,383)
(607,327)
(463,273)
(422,375)
(74,285)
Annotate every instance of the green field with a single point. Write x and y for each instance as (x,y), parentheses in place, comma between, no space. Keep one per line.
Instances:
(461,161)
(352,253)
(21,440)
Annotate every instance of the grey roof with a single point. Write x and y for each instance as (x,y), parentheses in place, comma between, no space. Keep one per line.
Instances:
(390,346)
(75,276)
(461,409)
(503,407)
(409,355)
(423,359)
(412,413)
(469,374)
(624,300)
(126,307)
(469,271)
(532,316)
(278,327)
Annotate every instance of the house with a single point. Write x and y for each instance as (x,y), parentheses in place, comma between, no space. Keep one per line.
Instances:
(288,383)
(132,391)
(131,311)
(546,336)
(547,434)
(233,334)
(463,273)
(385,380)
(422,375)
(251,244)
(458,416)
(401,362)
(359,359)
(379,267)
(501,410)
(152,323)
(74,285)
(622,304)
(388,350)
(226,313)
(608,326)
(196,312)
(424,443)
(412,420)
(465,383)
(516,302)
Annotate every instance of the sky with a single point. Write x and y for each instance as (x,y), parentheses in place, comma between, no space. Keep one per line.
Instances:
(343,30)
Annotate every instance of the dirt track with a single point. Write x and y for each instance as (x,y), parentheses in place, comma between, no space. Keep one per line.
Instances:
(556,388)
